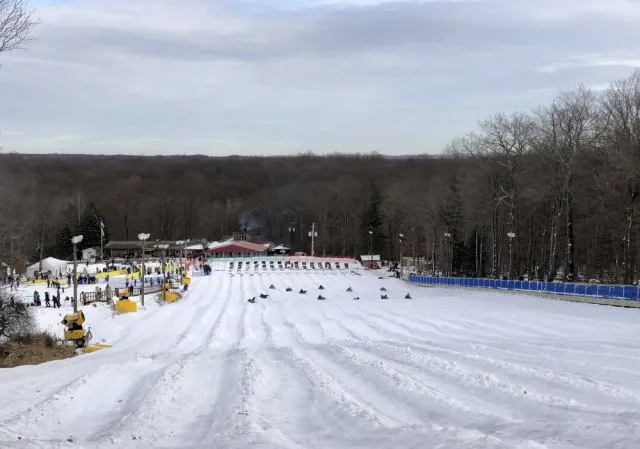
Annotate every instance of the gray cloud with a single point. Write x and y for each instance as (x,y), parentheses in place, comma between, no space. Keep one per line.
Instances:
(393,76)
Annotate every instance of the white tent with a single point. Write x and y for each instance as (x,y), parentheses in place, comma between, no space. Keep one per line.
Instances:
(52,264)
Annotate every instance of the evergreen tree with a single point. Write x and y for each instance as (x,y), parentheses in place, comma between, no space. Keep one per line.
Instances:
(64,248)
(89,227)
(372,219)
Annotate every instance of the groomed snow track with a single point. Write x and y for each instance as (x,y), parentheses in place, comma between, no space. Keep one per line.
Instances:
(212,371)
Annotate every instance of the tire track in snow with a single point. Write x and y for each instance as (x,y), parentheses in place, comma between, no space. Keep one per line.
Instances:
(404,389)
(239,422)
(339,387)
(464,374)
(386,367)
(530,375)
(403,380)
(383,331)
(406,331)
(426,400)
(611,352)
(258,377)
(223,374)
(332,389)
(64,395)
(488,383)
(145,334)
(567,381)
(64,405)
(577,384)
(365,318)
(600,366)
(202,388)
(113,376)
(437,330)
(377,379)
(161,396)
(81,367)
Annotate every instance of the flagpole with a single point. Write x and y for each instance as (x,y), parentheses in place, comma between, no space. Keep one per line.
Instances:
(102,240)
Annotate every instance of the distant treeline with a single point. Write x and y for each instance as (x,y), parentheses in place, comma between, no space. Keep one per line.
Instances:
(564,179)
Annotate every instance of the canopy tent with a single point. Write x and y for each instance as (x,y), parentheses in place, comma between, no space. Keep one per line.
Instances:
(52,264)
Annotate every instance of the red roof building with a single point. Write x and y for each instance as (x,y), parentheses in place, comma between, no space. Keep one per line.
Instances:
(237,249)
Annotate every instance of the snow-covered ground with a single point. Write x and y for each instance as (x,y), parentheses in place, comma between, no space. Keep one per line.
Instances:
(105,324)
(446,369)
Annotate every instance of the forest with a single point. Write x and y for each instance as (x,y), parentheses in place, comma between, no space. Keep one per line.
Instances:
(550,194)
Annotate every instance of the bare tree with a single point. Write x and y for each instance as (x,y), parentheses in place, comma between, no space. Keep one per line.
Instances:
(16,22)
(621,129)
(79,203)
(507,139)
(566,179)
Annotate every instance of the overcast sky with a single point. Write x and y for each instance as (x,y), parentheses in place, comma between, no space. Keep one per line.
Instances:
(223,77)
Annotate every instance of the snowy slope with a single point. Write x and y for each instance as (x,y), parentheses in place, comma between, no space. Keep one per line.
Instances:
(477,369)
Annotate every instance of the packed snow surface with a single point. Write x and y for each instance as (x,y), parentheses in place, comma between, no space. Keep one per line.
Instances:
(446,369)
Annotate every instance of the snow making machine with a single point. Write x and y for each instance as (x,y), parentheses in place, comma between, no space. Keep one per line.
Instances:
(125,305)
(169,295)
(75,332)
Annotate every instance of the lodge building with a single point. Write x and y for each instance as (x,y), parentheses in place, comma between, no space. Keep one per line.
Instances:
(237,245)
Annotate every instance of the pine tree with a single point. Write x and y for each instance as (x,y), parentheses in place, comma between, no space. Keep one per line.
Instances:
(64,248)
(372,219)
(89,227)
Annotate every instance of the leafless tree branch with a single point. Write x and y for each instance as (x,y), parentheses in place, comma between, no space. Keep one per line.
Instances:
(16,22)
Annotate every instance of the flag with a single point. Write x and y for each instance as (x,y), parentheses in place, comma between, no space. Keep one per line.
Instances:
(101,228)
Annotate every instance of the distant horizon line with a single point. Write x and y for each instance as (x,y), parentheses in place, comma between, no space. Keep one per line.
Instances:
(372,154)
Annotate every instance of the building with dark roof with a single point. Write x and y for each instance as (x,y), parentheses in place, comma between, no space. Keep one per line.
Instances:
(133,248)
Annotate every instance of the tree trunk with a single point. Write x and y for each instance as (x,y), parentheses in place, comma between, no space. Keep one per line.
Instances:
(553,245)
(433,252)
(570,267)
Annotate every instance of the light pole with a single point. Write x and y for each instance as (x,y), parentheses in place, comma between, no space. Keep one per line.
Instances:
(181,244)
(401,235)
(313,234)
(511,235)
(143,237)
(75,240)
(186,242)
(163,247)
(183,252)
(449,262)
(371,246)
(292,230)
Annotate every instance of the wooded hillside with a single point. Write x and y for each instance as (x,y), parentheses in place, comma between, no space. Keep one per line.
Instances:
(565,179)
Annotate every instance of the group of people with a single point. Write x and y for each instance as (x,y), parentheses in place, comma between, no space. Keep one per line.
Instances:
(12,281)
(48,299)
